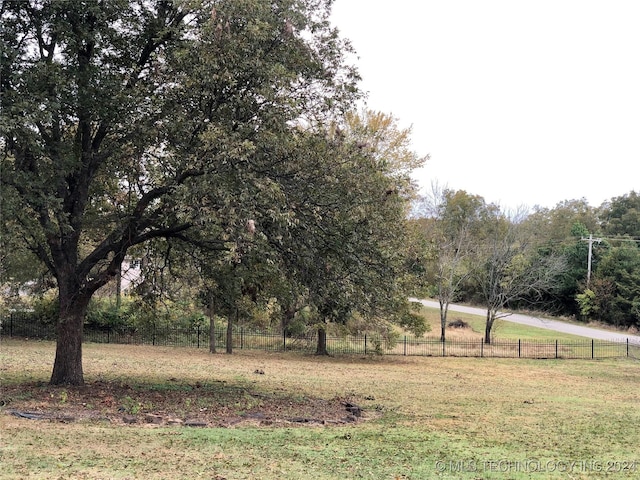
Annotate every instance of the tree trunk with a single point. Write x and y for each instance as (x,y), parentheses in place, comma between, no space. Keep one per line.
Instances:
(287,318)
(119,289)
(67,367)
(443,321)
(488,326)
(212,332)
(230,334)
(322,342)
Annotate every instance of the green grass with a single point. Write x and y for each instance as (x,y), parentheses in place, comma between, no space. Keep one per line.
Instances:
(502,329)
(453,418)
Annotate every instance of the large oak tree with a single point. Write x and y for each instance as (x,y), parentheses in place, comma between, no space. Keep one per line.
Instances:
(125,121)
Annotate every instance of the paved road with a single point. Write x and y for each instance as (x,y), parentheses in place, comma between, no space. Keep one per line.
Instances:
(544,323)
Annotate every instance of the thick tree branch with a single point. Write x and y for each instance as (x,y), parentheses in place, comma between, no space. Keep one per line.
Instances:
(140,227)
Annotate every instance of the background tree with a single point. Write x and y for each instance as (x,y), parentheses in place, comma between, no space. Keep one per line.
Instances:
(555,225)
(456,218)
(576,253)
(621,215)
(343,250)
(124,121)
(20,271)
(327,233)
(616,285)
(509,269)
(561,231)
(617,271)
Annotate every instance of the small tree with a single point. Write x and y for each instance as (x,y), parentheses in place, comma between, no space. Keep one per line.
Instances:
(352,261)
(456,216)
(509,268)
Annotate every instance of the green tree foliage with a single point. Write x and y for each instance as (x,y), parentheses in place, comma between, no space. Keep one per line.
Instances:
(560,231)
(575,250)
(509,268)
(617,285)
(454,230)
(615,263)
(586,302)
(20,270)
(621,215)
(556,225)
(127,121)
(327,242)
(384,140)
(343,247)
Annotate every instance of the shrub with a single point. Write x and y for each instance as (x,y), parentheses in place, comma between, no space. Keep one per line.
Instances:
(46,309)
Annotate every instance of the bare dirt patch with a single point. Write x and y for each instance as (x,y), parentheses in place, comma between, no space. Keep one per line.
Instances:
(215,404)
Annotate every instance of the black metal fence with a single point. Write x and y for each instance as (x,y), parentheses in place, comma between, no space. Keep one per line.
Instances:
(24,325)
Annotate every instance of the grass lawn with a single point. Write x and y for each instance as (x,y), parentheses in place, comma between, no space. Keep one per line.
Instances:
(423,418)
(502,329)
(505,330)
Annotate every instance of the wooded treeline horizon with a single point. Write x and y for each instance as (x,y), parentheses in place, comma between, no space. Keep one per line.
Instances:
(571,260)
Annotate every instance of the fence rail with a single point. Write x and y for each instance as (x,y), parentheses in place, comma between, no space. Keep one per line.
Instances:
(20,325)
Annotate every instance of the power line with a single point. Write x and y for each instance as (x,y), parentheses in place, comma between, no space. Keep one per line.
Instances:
(622,239)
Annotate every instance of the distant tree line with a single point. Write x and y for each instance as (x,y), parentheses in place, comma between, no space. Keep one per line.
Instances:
(574,259)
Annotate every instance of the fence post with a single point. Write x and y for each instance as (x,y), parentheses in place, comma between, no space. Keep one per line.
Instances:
(592,348)
(481,348)
(556,349)
(627,346)
(198,336)
(405,345)
(365,343)
(444,351)
(519,348)
(241,338)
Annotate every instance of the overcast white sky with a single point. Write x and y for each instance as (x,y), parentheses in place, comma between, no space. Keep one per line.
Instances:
(521,102)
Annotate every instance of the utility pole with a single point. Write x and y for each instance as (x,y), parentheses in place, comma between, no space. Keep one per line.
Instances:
(590,240)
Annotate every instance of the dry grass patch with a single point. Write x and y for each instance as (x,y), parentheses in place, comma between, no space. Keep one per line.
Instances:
(158,385)
(420,411)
